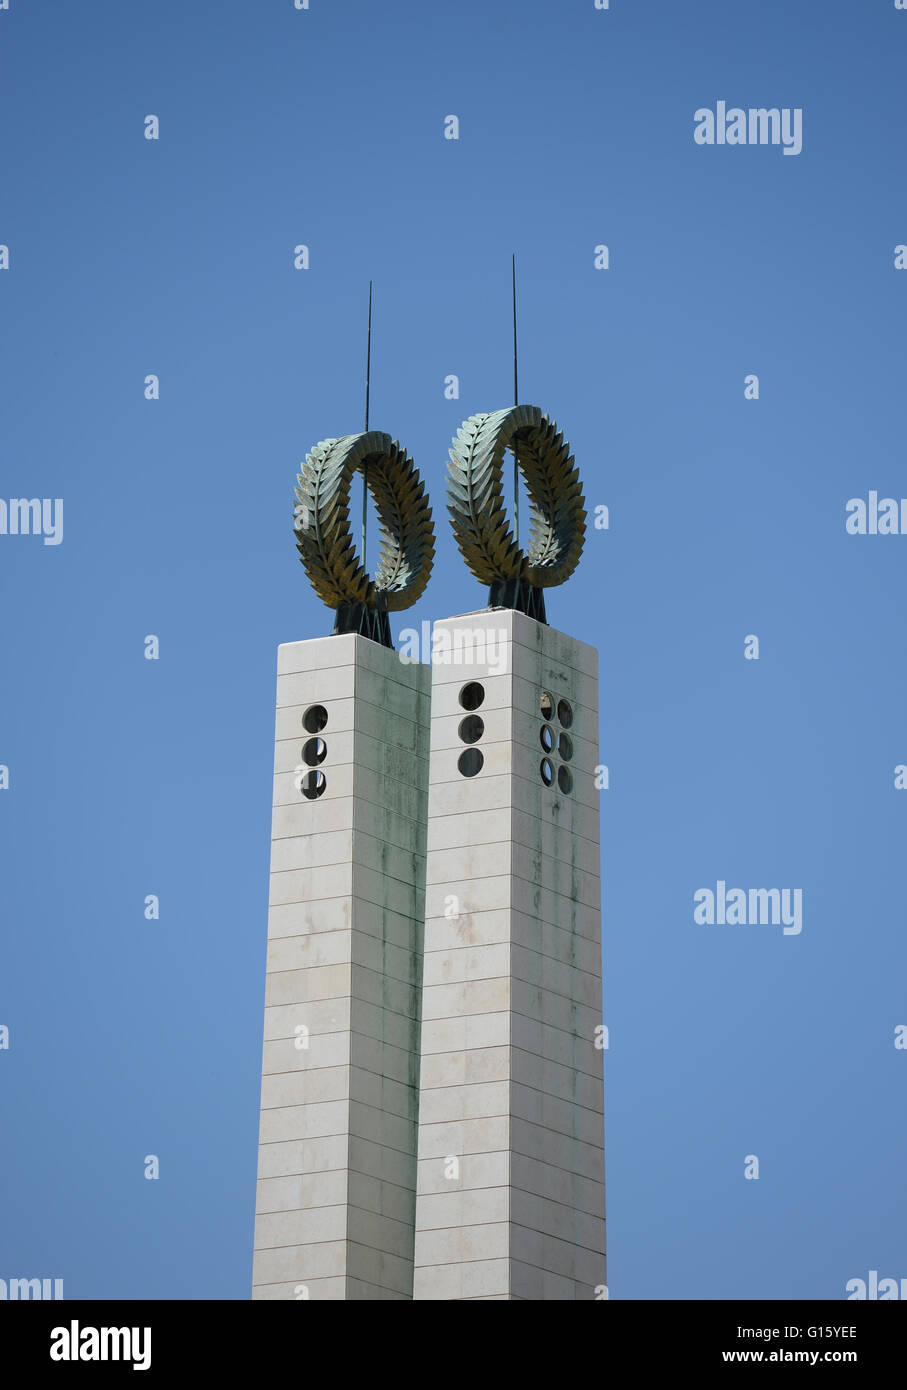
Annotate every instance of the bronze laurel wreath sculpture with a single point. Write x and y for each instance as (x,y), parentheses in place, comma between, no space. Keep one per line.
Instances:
(517,578)
(325,541)
(476,505)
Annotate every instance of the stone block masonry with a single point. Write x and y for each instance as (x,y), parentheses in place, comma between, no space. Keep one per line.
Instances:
(510,1201)
(339,1100)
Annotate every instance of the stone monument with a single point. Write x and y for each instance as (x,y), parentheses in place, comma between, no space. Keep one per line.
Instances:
(337,1150)
(432,1090)
(510,1200)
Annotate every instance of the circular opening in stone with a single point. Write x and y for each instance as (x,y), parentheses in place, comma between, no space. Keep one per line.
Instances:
(472,695)
(546,705)
(470,762)
(546,737)
(565,778)
(471,728)
(313,784)
(547,771)
(314,752)
(314,719)
(565,747)
(564,713)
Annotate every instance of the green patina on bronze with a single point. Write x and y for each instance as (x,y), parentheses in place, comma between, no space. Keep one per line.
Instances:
(517,578)
(325,542)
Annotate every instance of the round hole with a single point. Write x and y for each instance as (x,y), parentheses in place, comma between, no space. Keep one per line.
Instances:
(314,752)
(471,728)
(565,778)
(564,713)
(472,695)
(565,747)
(314,719)
(313,784)
(470,762)
(547,771)
(546,737)
(546,705)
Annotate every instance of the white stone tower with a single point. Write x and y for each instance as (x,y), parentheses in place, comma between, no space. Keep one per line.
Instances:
(510,1198)
(435,1134)
(337,1152)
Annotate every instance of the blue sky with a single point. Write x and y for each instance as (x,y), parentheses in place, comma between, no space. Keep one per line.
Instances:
(131,777)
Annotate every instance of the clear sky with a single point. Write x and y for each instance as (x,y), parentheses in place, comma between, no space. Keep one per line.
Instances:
(130,777)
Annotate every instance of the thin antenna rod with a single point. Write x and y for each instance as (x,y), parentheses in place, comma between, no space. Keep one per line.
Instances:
(516,401)
(368,377)
(368,353)
(516,394)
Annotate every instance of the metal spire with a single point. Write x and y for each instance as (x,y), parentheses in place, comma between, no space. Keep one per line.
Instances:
(368,374)
(516,401)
